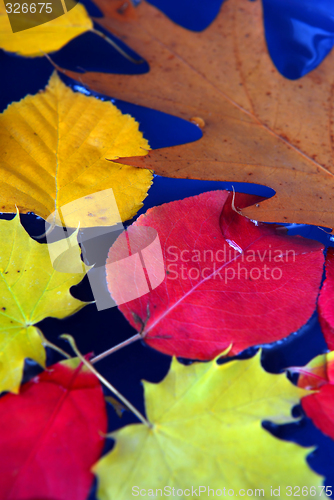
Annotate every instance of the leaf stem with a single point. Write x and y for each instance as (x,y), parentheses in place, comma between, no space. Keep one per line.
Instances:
(111,388)
(47,343)
(117,47)
(104,354)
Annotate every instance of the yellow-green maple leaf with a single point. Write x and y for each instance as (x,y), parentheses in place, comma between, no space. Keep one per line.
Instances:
(30,290)
(49,37)
(207,432)
(53,150)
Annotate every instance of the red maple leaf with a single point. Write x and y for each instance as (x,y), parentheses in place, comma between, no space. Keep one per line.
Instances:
(51,434)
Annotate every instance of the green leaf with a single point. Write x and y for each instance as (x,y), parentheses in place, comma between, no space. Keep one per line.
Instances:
(207,431)
(30,290)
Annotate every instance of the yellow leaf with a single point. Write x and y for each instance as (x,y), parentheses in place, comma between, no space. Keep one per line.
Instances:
(54,146)
(30,290)
(48,37)
(207,432)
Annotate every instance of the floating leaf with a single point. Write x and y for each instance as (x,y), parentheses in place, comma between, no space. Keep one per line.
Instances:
(326,301)
(228,280)
(319,407)
(295,52)
(207,430)
(31,40)
(51,434)
(258,126)
(54,149)
(30,290)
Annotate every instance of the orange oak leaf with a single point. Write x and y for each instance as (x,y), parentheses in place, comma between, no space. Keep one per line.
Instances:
(258,126)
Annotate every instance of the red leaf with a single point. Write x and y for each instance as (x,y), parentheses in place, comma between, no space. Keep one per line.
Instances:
(319,407)
(226,298)
(51,435)
(326,301)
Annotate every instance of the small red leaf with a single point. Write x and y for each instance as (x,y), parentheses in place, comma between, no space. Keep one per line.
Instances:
(51,434)
(229,280)
(319,407)
(326,301)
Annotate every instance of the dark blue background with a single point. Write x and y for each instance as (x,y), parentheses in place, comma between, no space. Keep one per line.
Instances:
(295,52)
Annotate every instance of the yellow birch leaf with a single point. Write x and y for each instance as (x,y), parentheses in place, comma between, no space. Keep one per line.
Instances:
(33,41)
(207,432)
(53,150)
(30,290)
